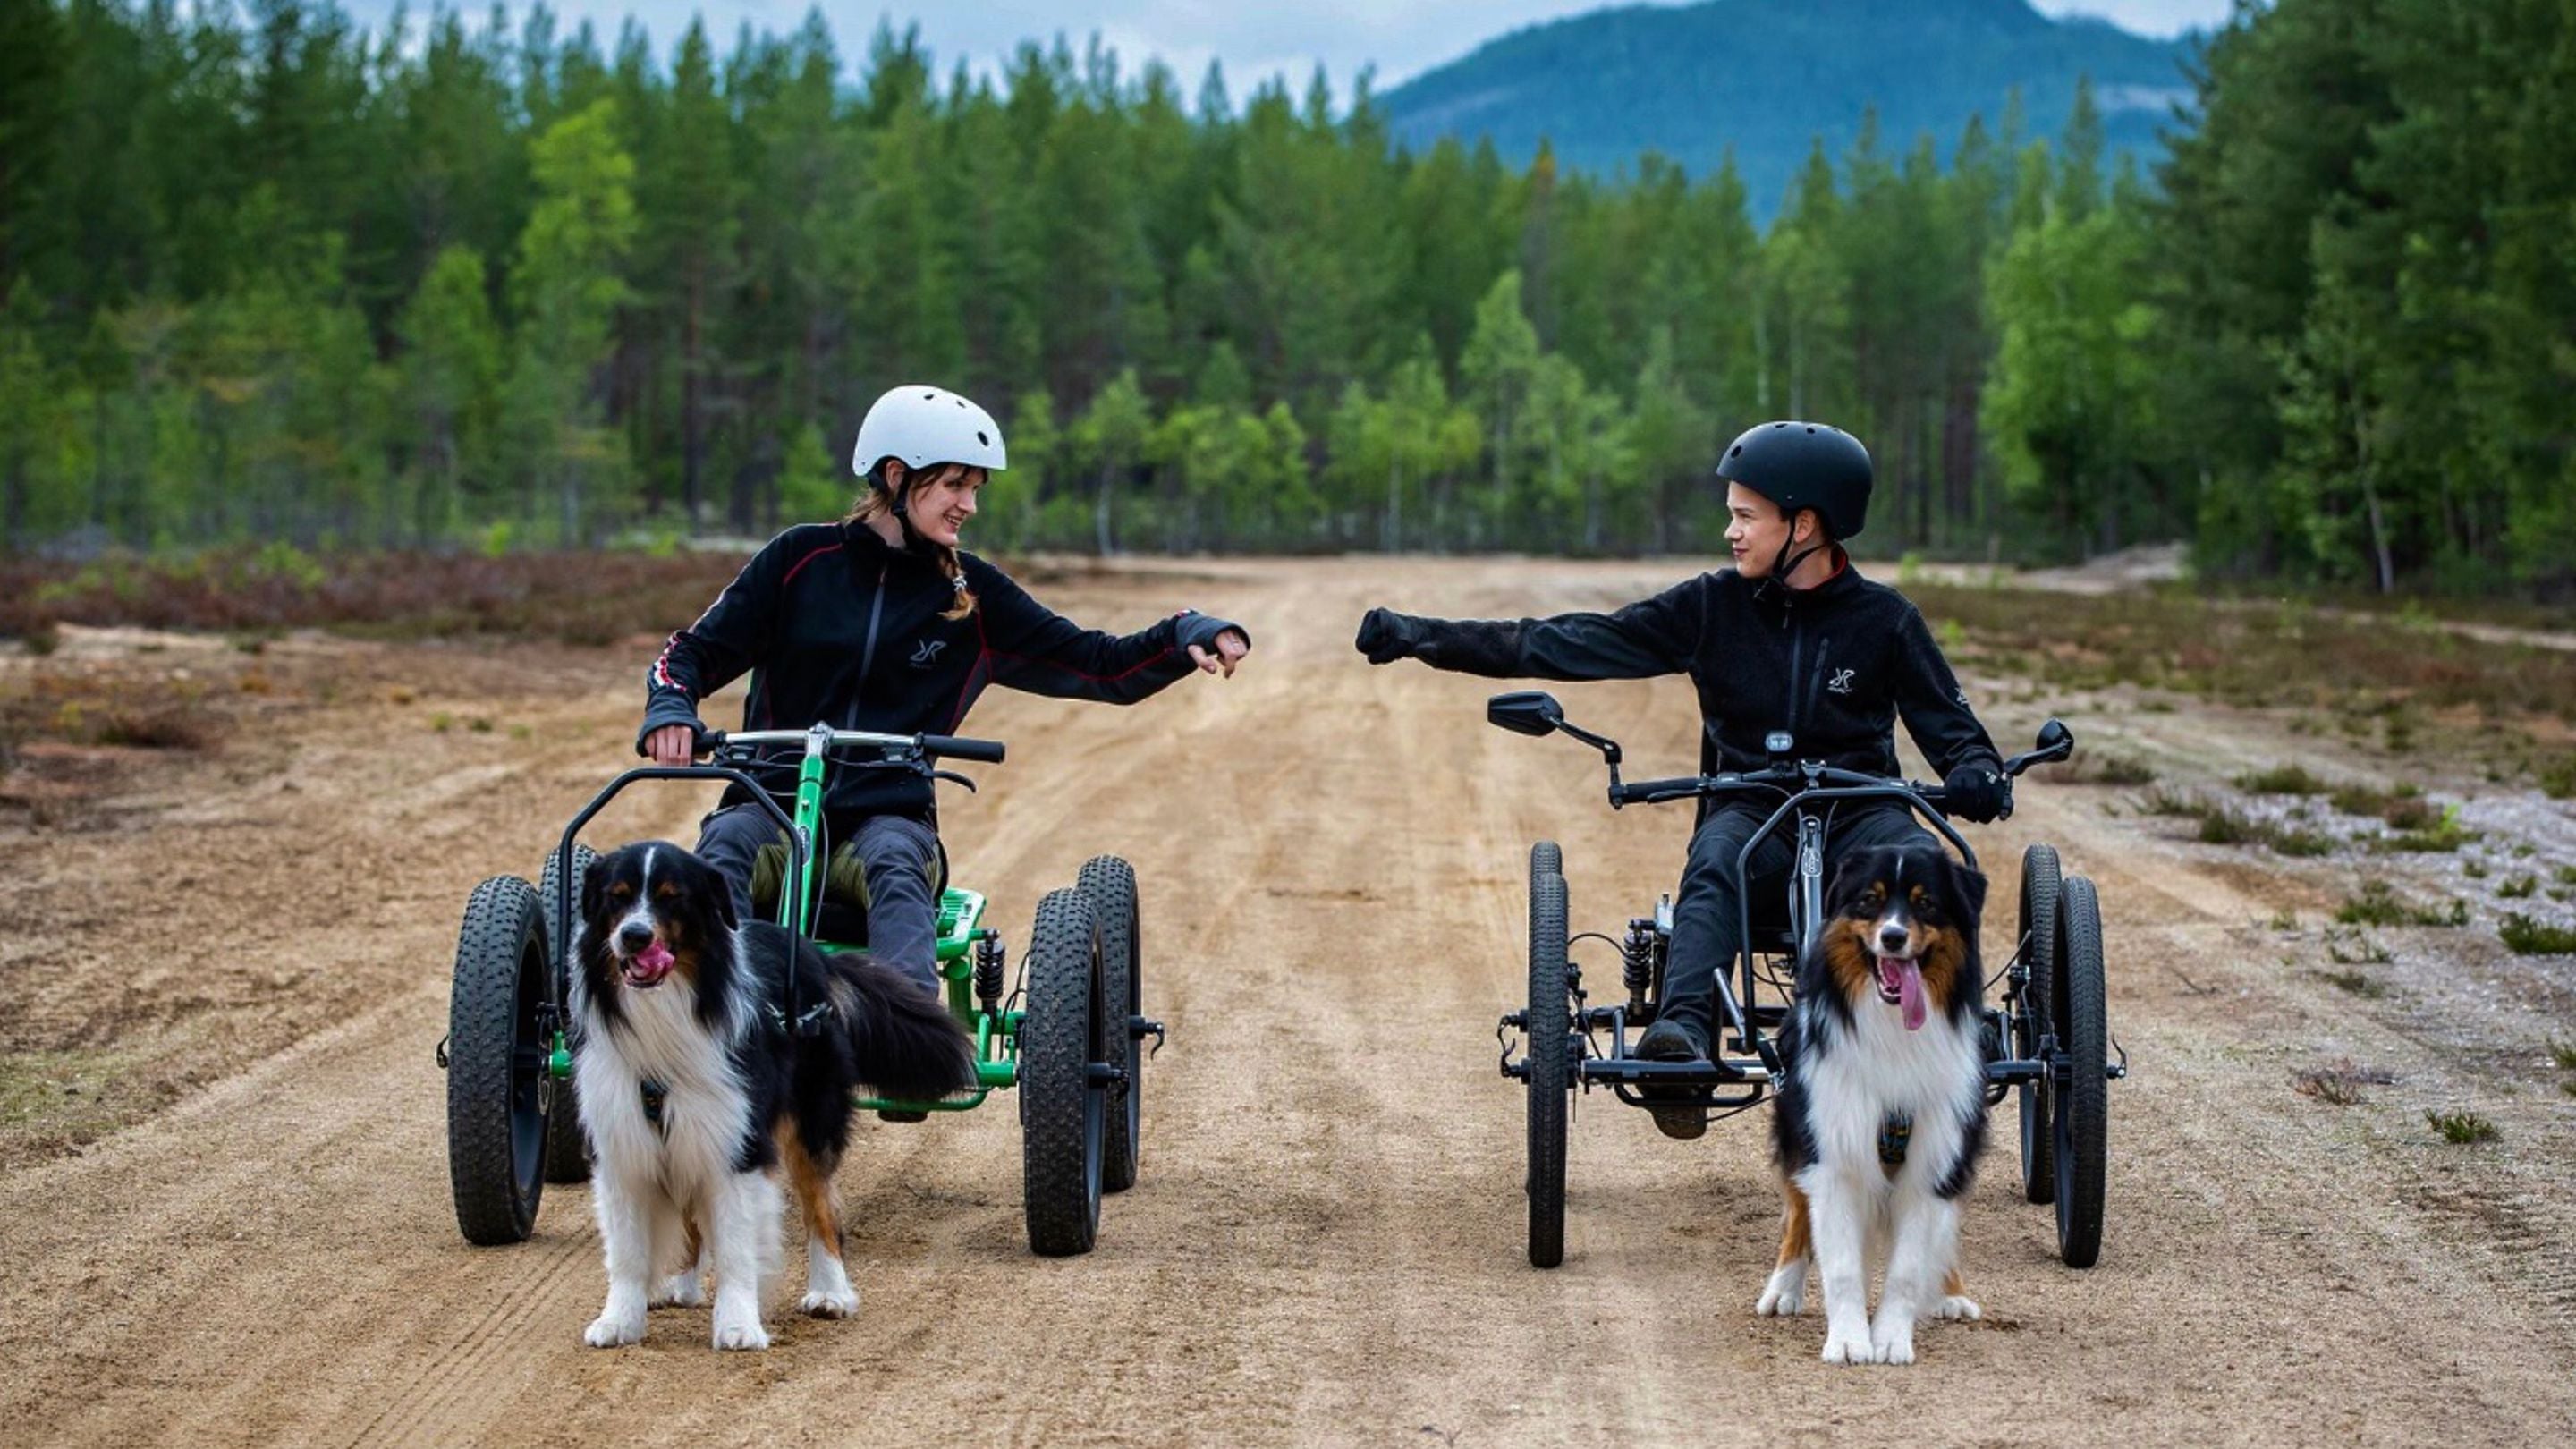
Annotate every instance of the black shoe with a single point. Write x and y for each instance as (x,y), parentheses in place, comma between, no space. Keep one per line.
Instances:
(1670,1041)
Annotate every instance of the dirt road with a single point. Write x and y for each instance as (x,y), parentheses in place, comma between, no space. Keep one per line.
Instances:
(1325,1245)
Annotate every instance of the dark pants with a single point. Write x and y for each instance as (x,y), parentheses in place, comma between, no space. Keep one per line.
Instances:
(1706,920)
(897,854)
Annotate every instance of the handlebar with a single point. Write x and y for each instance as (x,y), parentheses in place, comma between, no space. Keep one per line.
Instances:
(955,747)
(1790,780)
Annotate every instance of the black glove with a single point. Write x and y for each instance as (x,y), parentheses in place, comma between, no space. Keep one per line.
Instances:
(1976,791)
(1386,636)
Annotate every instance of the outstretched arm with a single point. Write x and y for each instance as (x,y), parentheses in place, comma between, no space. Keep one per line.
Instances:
(1028,646)
(1653,636)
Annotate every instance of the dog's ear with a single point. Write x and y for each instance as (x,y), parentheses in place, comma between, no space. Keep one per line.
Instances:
(1971,886)
(1851,875)
(594,883)
(722,889)
(707,883)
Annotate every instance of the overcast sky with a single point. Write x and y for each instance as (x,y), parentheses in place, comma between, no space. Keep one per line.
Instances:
(1400,37)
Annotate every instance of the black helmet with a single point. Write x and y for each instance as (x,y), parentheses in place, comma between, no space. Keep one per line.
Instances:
(1804,465)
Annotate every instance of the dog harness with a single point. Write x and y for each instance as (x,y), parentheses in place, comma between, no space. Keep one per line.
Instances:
(1894,1135)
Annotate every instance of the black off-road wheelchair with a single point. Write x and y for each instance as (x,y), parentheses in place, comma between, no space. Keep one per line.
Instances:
(2046,1038)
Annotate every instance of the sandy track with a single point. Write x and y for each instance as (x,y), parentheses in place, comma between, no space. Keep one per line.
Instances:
(1325,1244)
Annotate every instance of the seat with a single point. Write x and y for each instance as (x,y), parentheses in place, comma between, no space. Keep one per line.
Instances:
(842,917)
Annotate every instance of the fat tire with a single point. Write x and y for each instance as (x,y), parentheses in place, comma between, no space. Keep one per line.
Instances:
(1062,1110)
(496,1127)
(2084,1105)
(567,1151)
(1109,883)
(1546,1029)
(2041,885)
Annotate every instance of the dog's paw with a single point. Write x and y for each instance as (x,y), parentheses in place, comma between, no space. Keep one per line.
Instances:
(843,1303)
(681,1290)
(744,1333)
(1957,1307)
(1785,1296)
(610,1331)
(1849,1348)
(1892,1345)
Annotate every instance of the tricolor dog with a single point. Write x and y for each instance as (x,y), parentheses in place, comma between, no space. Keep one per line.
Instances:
(697,1087)
(1882,1102)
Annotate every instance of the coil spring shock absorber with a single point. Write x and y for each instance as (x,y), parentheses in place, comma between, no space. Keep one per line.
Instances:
(988,970)
(1637,969)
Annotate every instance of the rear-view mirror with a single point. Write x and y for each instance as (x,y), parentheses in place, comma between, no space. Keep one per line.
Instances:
(1525,712)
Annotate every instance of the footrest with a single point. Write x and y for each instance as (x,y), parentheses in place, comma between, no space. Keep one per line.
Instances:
(1701,1073)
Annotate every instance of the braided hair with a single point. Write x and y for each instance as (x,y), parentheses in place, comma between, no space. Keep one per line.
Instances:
(881,499)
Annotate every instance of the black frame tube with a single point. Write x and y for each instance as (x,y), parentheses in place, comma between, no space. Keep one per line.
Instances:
(796,847)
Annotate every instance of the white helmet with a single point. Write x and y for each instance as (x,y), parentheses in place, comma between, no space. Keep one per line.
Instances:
(924,426)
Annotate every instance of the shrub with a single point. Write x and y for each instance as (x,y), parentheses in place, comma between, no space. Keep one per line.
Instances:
(2527,937)
(2281,780)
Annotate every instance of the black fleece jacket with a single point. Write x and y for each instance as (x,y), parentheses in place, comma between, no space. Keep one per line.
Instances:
(1833,665)
(837,625)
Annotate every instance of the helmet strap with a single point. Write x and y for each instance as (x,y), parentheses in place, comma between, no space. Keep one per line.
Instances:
(1782,563)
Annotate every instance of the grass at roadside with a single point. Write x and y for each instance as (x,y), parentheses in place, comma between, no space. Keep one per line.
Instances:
(586,598)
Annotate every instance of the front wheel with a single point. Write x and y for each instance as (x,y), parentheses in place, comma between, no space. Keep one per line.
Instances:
(1063,1102)
(1548,1057)
(2031,1020)
(496,1114)
(1110,885)
(2084,1099)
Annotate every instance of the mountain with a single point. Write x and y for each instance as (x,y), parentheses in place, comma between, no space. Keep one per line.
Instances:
(1767,77)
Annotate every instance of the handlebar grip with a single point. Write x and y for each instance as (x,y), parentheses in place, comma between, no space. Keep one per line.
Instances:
(957,747)
(1647,792)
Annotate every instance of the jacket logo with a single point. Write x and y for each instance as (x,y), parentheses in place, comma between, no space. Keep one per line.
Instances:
(1841,683)
(926,653)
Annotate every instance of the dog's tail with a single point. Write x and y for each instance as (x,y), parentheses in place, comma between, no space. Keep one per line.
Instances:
(903,1039)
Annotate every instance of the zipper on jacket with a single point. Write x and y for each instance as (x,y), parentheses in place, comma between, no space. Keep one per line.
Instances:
(1797,668)
(868,651)
(1815,678)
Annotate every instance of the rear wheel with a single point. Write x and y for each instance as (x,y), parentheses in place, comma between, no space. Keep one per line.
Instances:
(496,1116)
(567,1155)
(2032,1016)
(1548,1056)
(1063,1105)
(1110,885)
(2083,1104)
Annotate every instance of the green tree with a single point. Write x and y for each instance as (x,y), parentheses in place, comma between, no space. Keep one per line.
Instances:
(567,286)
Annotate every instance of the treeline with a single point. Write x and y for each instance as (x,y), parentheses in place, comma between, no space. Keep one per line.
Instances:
(271,277)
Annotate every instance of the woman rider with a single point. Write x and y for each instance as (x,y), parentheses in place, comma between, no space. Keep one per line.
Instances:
(880,622)
(1792,638)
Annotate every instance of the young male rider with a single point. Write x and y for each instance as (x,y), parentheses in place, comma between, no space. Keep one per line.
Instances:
(1792,638)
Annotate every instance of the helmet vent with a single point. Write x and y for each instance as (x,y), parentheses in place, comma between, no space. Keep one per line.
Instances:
(1811,427)
(1738,452)
(987,442)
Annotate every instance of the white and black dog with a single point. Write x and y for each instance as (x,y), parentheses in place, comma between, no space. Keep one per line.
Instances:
(696,1087)
(1882,1101)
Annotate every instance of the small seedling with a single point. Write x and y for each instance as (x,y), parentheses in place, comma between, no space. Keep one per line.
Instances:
(2461,1127)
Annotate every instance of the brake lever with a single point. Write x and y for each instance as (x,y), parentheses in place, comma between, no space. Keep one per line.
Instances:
(952,777)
